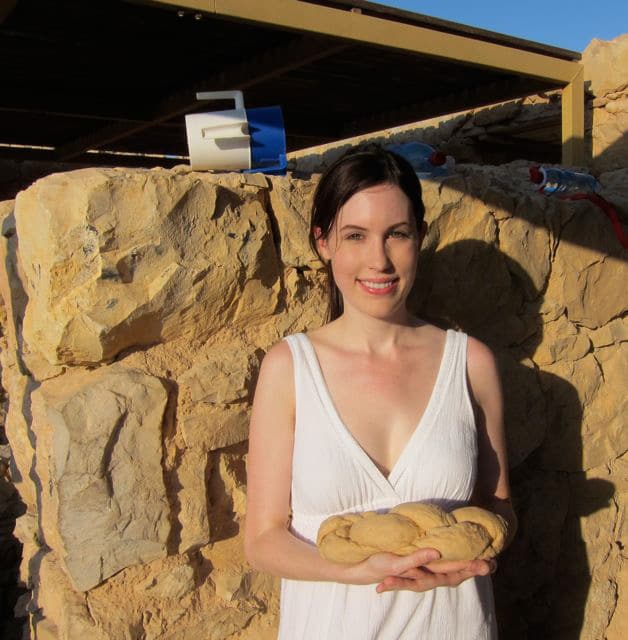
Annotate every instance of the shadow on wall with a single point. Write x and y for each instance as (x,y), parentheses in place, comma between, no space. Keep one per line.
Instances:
(544,578)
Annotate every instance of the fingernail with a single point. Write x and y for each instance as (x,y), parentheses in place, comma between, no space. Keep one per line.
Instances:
(432,555)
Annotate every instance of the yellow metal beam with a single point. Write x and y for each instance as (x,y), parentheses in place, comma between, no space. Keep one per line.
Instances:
(573,121)
(303,16)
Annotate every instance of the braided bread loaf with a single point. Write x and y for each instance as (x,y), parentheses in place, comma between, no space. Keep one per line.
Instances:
(464,534)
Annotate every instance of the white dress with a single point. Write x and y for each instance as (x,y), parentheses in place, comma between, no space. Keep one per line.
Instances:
(332,474)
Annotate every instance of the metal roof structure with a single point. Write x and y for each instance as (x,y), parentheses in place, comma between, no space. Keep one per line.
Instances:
(88,81)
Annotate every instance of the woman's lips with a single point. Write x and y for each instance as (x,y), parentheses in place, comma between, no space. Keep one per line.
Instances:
(379,287)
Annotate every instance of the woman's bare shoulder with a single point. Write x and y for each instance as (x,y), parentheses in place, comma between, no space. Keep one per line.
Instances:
(480,357)
(274,392)
(482,371)
(278,358)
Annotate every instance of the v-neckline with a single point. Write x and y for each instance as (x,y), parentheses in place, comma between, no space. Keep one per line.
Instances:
(386,481)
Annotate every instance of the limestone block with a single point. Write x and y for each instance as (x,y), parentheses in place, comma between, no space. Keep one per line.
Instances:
(61,605)
(498,113)
(614,187)
(605,65)
(227,502)
(222,376)
(117,258)
(524,407)
(12,292)
(216,427)
(606,436)
(573,443)
(609,145)
(171,583)
(230,574)
(561,341)
(520,239)
(618,627)
(214,624)
(191,494)
(17,426)
(614,332)
(6,209)
(290,203)
(173,598)
(492,309)
(99,456)
(27,532)
(585,279)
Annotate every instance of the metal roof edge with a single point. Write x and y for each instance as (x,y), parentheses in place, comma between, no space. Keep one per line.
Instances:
(448,26)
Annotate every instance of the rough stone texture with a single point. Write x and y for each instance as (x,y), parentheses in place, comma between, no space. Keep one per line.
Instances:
(128,424)
(606,65)
(99,450)
(114,259)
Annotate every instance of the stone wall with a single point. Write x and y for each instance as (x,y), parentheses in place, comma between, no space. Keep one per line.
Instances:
(138,307)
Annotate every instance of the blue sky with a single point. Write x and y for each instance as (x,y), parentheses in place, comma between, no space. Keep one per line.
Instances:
(570,24)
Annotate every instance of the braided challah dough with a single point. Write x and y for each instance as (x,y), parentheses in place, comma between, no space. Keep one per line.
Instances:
(464,534)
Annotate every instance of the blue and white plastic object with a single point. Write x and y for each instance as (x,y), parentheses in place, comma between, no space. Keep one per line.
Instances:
(238,139)
(552,181)
(425,160)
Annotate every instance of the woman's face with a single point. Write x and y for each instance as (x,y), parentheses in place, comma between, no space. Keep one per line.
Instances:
(373,247)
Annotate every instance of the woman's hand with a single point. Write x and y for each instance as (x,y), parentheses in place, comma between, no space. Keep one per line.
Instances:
(426,576)
(414,572)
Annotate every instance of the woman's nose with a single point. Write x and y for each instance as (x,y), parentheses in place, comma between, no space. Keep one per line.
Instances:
(378,255)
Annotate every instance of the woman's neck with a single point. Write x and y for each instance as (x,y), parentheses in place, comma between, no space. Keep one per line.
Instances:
(375,335)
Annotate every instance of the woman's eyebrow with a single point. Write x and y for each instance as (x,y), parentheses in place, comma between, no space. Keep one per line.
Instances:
(403,223)
(352,226)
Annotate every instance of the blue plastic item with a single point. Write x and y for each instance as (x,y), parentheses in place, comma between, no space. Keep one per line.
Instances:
(268,140)
(425,160)
(554,181)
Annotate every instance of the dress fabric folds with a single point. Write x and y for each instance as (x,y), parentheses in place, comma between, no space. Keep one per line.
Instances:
(332,474)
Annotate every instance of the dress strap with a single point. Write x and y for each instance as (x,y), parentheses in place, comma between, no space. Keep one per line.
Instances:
(460,378)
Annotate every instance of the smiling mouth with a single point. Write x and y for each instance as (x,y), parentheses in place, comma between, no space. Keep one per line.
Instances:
(379,286)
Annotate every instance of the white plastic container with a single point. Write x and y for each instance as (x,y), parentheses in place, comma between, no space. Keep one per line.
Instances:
(219,139)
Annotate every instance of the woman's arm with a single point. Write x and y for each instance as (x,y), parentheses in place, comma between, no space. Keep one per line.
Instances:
(269,545)
(492,489)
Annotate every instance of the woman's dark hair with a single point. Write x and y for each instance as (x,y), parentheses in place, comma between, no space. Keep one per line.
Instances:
(359,168)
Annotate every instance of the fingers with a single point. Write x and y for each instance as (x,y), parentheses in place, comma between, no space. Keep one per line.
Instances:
(443,575)
(478,567)
(419,558)
(423,582)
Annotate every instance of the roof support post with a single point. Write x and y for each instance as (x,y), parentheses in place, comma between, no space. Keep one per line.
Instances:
(573,121)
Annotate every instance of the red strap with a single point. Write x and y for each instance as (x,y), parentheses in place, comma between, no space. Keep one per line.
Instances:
(607,208)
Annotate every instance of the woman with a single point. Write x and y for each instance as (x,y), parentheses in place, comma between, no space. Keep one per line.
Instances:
(374,408)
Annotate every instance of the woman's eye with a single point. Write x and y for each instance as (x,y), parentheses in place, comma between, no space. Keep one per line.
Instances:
(354,236)
(398,234)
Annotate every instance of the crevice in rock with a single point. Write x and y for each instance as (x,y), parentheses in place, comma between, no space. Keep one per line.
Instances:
(105,463)
(275,233)
(170,466)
